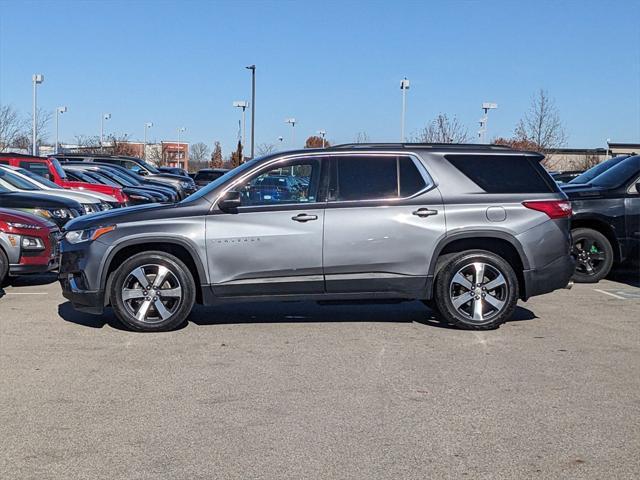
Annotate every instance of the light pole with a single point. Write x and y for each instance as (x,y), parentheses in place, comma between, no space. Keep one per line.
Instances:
(144,147)
(607,154)
(243,105)
(37,79)
(180,130)
(105,116)
(482,132)
(253,108)
(292,122)
(322,133)
(404,86)
(59,111)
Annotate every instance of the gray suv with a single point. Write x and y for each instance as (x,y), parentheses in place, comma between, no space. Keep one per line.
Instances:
(468,229)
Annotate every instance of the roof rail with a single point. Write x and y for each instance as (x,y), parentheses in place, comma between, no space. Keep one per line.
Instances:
(439,146)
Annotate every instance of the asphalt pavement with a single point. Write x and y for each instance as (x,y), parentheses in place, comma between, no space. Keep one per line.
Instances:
(304,391)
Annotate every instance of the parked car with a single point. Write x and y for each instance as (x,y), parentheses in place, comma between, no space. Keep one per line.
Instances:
(565,176)
(468,229)
(13,181)
(174,171)
(139,167)
(50,169)
(588,175)
(57,209)
(207,175)
(28,244)
(606,220)
(135,196)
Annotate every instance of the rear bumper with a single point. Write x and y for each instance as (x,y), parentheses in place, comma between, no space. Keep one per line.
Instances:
(553,276)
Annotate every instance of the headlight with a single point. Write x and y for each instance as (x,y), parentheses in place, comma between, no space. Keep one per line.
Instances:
(59,213)
(79,236)
(105,206)
(88,208)
(31,243)
(23,226)
(185,185)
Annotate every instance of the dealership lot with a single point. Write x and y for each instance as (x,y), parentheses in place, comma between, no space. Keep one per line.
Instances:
(299,390)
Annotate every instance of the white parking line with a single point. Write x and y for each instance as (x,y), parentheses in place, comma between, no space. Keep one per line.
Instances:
(609,293)
(26,293)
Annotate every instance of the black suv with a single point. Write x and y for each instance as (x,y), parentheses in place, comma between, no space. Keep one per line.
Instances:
(606,221)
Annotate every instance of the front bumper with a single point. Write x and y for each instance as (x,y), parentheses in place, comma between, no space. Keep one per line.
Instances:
(552,276)
(87,301)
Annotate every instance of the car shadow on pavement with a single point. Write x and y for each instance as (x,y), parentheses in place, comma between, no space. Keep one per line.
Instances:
(629,275)
(289,312)
(32,280)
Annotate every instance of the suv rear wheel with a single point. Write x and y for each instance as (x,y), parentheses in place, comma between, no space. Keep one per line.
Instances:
(593,254)
(476,290)
(152,291)
(4,268)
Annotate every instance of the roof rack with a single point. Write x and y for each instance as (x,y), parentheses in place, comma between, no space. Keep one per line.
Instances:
(438,146)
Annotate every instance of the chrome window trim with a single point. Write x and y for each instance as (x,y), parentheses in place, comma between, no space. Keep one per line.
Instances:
(430,183)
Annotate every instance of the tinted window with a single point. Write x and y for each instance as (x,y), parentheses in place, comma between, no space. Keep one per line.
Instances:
(370,178)
(16,181)
(39,168)
(619,174)
(280,185)
(504,173)
(593,172)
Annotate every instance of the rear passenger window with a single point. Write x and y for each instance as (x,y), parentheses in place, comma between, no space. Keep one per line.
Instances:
(375,177)
(504,173)
(39,168)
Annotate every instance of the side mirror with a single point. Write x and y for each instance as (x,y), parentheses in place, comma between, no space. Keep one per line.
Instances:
(230,202)
(638,187)
(142,172)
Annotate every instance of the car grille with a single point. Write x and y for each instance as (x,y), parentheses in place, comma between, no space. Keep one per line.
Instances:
(54,238)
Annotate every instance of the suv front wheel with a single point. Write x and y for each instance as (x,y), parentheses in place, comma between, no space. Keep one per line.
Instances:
(476,290)
(152,291)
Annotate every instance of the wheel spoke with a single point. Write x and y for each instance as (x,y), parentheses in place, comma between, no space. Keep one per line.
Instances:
(588,266)
(495,283)
(144,308)
(477,309)
(171,292)
(160,308)
(598,256)
(132,293)
(162,274)
(462,280)
(494,302)
(141,277)
(461,300)
(479,276)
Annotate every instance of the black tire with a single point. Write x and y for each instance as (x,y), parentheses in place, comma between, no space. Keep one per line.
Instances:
(4,268)
(172,310)
(593,254)
(496,272)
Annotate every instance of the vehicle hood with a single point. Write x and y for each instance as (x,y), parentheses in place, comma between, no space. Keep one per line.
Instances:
(29,200)
(94,196)
(77,196)
(136,213)
(16,216)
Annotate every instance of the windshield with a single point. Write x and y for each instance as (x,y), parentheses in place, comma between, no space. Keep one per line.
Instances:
(221,180)
(17,182)
(111,175)
(619,174)
(593,172)
(38,179)
(149,167)
(126,175)
(58,168)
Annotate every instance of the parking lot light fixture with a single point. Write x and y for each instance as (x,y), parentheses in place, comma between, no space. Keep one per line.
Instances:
(59,111)
(243,105)
(292,122)
(253,108)
(404,86)
(322,133)
(36,79)
(482,132)
(180,131)
(105,116)
(147,126)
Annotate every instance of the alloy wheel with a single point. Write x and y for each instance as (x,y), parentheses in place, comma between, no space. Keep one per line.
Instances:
(478,291)
(151,293)
(589,254)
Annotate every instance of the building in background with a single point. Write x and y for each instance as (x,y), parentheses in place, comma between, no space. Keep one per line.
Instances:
(175,154)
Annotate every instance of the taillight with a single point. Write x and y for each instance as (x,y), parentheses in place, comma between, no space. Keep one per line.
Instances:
(553,208)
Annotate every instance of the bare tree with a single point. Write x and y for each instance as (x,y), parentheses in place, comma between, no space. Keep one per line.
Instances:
(442,130)
(86,143)
(199,152)
(12,126)
(315,141)
(216,156)
(266,148)
(361,137)
(541,124)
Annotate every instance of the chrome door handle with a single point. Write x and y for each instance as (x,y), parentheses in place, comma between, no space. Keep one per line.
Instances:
(425,212)
(303,217)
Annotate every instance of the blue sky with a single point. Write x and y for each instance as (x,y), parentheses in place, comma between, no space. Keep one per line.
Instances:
(332,65)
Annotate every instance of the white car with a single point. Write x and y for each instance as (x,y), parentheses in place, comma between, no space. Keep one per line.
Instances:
(13,179)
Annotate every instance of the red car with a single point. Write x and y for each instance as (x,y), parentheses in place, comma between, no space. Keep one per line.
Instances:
(28,244)
(50,169)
